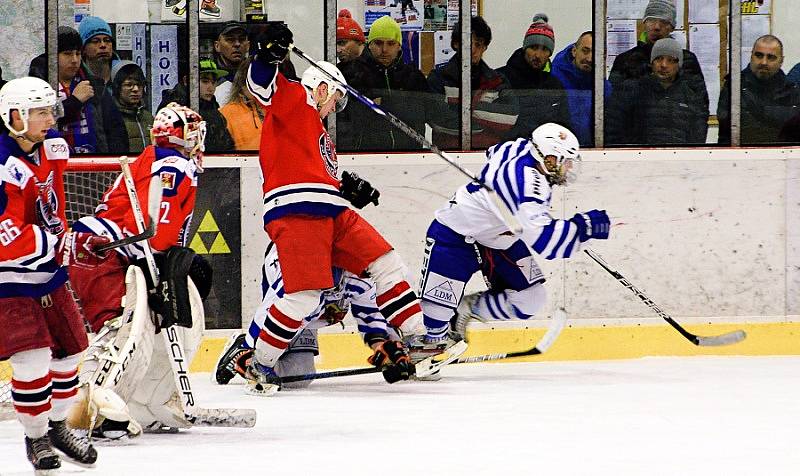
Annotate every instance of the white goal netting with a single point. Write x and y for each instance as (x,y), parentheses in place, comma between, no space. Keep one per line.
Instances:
(84,183)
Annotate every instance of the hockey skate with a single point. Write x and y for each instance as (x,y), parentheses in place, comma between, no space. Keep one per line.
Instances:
(41,454)
(465,314)
(233,360)
(172,3)
(210,8)
(78,449)
(262,380)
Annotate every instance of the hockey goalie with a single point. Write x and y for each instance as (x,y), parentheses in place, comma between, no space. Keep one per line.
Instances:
(127,378)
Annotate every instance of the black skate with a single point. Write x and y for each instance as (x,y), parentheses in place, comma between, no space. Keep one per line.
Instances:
(41,454)
(233,361)
(172,3)
(78,449)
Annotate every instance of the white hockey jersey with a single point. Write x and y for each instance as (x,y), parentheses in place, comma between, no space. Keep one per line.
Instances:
(511,171)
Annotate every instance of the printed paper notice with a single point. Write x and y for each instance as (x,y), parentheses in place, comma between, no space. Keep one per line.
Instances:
(703,11)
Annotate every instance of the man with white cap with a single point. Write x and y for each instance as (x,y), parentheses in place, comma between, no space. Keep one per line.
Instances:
(659,22)
(660,108)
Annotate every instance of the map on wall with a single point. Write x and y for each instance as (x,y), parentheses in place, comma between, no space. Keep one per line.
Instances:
(16,29)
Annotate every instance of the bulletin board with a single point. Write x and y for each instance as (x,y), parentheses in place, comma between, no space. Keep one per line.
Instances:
(702,27)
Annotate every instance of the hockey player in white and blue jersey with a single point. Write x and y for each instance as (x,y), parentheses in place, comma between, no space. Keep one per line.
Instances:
(468,236)
(350,292)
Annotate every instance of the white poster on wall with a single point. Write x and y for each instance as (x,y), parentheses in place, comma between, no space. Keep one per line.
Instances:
(163,61)
(138,44)
(621,35)
(756,7)
(408,13)
(706,46)
(703,11)
(625,9)
(753,26)
(133,11)
(123,39)
(442,52)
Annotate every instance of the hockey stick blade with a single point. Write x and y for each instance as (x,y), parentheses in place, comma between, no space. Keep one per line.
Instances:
(556,326)
(222,417)
(430,366)
(702,341)
(148,233)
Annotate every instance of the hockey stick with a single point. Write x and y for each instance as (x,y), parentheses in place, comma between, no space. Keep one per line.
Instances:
(128,240)
(172,340)
(723,339)
(502,208)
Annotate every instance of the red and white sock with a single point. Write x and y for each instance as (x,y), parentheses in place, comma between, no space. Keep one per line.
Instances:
(64,373)
(31,389)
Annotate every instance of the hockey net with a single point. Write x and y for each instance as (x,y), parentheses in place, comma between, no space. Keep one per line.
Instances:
(84,184)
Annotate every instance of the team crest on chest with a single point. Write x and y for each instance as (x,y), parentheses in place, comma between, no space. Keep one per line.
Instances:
(47,206)
(328,154)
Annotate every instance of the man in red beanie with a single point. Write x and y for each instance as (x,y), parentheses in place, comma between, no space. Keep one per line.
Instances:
(349,37)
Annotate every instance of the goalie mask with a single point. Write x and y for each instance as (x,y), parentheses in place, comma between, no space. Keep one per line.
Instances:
(556,149)
(178,127)
(313,77)
(24,94)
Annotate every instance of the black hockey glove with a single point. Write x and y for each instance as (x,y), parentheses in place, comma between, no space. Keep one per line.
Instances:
(358,191)
(592,225)
(274,44)
(392,358)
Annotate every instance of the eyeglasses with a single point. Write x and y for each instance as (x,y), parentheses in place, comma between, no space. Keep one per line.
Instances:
(132,84)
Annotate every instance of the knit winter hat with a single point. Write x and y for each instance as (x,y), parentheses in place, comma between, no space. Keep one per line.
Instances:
(667,47)
(93,26)
(385,28)
(540,33)
(69,39)
(347,28)
(661,10)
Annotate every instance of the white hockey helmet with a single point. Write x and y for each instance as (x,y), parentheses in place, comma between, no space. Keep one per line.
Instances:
(312,77)
(178,127)
(553,140)
(24,94)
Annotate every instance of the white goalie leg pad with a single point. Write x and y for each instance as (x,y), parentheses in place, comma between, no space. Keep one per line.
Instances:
(156,398)
(117,360)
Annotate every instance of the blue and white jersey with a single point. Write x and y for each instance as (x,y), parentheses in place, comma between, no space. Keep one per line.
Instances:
(511,171)
(350,293)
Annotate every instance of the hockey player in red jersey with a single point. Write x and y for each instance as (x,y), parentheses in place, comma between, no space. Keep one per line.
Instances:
(174,162)
(307,211)
(41,329)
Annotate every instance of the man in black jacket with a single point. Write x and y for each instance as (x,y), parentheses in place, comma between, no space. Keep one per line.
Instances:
(768,100)
(659,109)
(541,95)
(659,22)
(380,74)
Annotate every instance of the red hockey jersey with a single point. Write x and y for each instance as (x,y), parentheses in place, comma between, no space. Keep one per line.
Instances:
(114,216)
(297,158)
(32,216)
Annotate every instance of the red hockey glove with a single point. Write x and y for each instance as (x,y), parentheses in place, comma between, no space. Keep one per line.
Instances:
(79,249)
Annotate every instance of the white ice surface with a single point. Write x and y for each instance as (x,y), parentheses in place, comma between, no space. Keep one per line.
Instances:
(652,416)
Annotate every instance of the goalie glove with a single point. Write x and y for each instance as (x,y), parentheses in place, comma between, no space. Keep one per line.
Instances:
(78,249)
(358,191)
(392,358)
(274,44)
(592,225)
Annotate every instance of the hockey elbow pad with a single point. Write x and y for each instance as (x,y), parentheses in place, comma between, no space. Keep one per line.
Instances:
(358,191)
(592,225)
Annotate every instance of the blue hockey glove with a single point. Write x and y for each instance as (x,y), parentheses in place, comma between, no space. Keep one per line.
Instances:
(592,225)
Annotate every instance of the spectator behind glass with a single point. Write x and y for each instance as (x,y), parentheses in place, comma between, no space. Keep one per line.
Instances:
(658,109)
(230,49)
(794,75)
(218,139)
(349,37)
(768,100)
(573,66)
(541,95)
(243,114)
(659,22)
(78,125)
(129,89)
(494,109)
(97,54)
(380,74)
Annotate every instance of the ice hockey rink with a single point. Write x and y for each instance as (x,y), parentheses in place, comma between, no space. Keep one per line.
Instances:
(656,415)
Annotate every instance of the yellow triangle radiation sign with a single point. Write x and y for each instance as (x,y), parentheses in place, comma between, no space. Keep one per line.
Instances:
(209,225)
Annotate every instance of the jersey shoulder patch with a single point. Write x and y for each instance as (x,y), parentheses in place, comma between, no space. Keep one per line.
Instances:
(536,189)
(56,148)
(15,172)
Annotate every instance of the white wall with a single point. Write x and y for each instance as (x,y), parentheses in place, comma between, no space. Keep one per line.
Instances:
(785,15)
(713,235)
